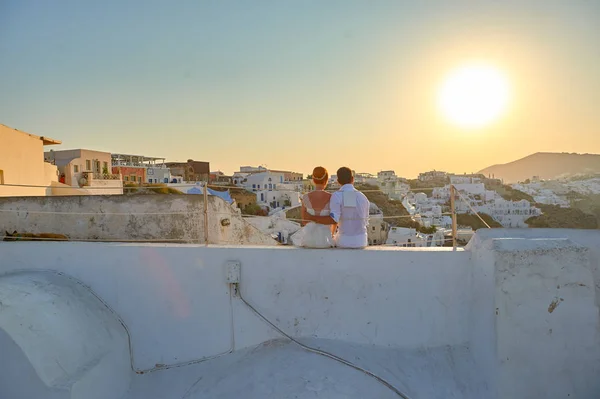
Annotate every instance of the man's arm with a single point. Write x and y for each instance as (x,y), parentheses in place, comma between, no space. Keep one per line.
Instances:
(335,207)
(365,210)
(320,219)
(304,216)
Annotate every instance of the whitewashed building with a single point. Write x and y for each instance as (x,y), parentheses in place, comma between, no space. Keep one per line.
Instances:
(588,186)
(263,181)
(385,175)
(395,189)
(239,178)
(378,228)
(407,237)
(432,175)
(365,178)
(509,213)
(464,179)
(278,198)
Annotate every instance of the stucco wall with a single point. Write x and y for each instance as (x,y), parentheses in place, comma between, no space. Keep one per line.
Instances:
(131,173)
(104,186)
(384,298)
(168,218)
(78,157)
(21,162)
(543,314)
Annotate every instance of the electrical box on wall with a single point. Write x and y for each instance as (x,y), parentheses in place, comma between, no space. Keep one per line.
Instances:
(234,271)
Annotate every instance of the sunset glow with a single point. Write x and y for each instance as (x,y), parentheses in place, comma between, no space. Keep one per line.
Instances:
(474,96)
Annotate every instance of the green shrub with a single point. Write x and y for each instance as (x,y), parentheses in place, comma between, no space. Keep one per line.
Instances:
(554,216)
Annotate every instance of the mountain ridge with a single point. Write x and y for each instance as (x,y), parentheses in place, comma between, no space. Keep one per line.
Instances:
(546,165)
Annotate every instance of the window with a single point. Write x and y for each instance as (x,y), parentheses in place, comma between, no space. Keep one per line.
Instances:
(373,228)
(258,186)
(105,166)
(88,165)
(270,186)
(262,196)
(75,168)
(132,178)
(126,178)
(149,180)
(274,186)
(139,179)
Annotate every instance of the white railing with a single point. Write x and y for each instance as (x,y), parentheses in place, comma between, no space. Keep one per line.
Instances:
(100,176)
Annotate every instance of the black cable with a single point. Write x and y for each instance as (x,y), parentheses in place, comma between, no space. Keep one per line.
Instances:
(322,352)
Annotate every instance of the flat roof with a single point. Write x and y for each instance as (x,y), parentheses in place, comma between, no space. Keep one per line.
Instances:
(49,141)
(138,157)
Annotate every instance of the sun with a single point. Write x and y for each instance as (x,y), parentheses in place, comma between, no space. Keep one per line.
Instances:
(474,95)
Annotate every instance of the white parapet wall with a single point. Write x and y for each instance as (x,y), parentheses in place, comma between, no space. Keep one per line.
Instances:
(521,306)
(170,294)
(543,313)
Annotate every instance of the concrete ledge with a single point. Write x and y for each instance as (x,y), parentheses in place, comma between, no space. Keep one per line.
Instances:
(534,244)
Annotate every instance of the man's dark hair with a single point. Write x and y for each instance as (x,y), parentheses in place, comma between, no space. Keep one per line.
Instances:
(344,175)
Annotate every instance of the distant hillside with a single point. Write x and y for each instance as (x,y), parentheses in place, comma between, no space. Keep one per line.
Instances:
(546,165)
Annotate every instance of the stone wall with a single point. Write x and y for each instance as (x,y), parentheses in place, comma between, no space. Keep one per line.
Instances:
(161,218)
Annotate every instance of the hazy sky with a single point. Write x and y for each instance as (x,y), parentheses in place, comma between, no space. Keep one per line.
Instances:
(295,84)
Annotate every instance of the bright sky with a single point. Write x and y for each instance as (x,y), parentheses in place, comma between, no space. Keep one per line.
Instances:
(295,84)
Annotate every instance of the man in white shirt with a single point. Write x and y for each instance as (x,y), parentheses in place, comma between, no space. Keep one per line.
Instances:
(350,209)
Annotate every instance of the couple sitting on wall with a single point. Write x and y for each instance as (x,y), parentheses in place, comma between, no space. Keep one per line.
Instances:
(339,219)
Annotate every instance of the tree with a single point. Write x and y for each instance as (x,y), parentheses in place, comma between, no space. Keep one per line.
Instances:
(254,209)
(507,192)
(427,230)
(470,220)
(554,216)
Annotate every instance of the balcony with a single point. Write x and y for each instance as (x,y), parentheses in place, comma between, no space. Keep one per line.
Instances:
(89,176)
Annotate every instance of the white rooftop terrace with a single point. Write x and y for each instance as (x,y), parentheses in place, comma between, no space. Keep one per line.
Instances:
(137,160)
(514,315)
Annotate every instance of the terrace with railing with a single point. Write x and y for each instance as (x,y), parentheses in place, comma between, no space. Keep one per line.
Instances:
(91,176)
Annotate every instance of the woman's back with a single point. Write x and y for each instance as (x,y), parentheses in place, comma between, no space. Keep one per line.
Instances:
(317,202)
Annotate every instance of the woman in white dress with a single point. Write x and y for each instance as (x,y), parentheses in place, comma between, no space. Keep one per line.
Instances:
(316,203)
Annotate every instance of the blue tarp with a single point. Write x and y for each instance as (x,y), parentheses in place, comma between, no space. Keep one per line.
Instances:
(222,194)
